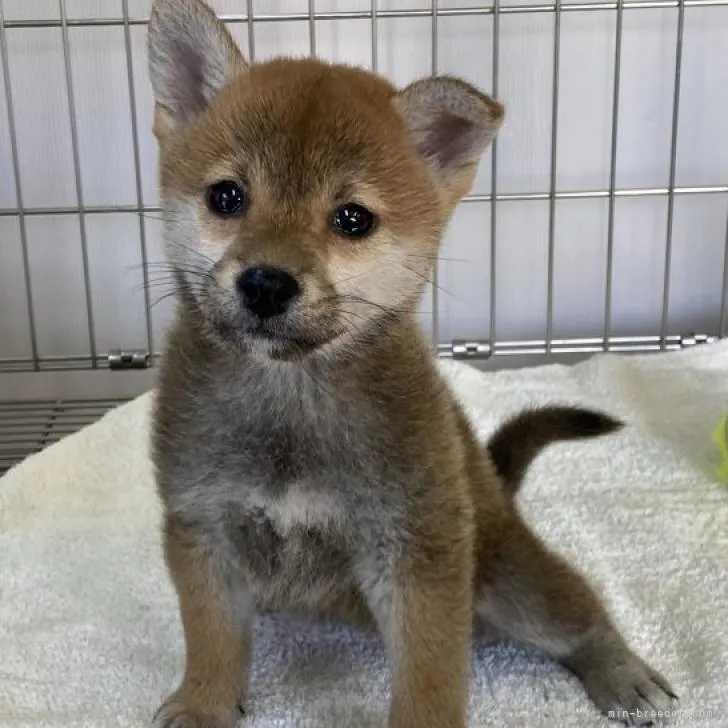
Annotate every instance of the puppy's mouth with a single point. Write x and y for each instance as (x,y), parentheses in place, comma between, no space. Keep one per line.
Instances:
(287,337)
(283,344)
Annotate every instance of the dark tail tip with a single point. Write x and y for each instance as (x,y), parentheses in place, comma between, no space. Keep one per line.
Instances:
(583,423)
(516,443)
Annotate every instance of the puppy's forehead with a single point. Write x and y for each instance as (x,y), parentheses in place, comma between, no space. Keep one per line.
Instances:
(297,86)
(300,123)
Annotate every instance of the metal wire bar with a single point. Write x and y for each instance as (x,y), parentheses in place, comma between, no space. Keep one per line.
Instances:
(597,194)
(724,291)
(552,184)
(673,168)
(138,176)
(20,211)
(374,15)
(249,19)
(500,197)
(583,346)
(613,173)
(312,27)
(435,268)
(13,424)
(52,363)
(635,344)
(77,177)
(16,406)
(412,13)
(494,179)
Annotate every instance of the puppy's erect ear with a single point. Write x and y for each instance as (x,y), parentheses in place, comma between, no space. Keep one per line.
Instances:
(452,124)
(192,56)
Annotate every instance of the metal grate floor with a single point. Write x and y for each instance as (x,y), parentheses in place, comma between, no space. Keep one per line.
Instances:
(26,427)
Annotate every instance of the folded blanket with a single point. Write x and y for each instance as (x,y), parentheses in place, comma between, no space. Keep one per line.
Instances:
(89,629)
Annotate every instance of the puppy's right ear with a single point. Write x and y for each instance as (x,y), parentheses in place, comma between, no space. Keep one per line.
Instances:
(192,56)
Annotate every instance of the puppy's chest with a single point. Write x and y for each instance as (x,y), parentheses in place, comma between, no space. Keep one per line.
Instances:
(299,494)
(297,471)
(293,506)
(295,546)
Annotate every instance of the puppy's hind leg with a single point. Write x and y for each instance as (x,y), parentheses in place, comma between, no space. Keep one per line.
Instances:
(531,594)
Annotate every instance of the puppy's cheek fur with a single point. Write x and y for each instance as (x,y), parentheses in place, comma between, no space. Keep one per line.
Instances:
(183,235)
(200,251)
(386,274)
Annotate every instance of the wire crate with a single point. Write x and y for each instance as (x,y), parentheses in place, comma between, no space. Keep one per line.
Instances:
(598,221)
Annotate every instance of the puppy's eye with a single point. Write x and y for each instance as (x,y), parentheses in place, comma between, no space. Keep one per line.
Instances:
(353,221)
(226,199)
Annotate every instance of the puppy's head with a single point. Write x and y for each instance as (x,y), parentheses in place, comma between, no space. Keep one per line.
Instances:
(303,202)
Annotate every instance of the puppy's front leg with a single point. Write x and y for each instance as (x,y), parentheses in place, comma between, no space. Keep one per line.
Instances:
(424,608)
(216,611)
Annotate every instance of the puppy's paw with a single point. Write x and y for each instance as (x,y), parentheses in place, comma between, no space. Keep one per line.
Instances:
(174,713)
(625,688)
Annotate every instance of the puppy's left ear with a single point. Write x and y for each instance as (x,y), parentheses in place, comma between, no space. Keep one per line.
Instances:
(452,124)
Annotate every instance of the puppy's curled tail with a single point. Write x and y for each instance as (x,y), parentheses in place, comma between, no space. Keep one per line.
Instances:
(515,444)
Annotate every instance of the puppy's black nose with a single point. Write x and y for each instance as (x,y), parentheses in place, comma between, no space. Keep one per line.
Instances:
(267,291)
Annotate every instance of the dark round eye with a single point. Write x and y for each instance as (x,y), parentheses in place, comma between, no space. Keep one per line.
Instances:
(354,221)
(226,198)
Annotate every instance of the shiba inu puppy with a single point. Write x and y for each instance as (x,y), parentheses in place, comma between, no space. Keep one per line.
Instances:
(308,455)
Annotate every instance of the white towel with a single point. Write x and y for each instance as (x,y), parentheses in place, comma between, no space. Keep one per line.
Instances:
(90,634)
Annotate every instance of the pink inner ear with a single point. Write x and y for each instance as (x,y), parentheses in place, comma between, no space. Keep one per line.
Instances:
(448,140)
